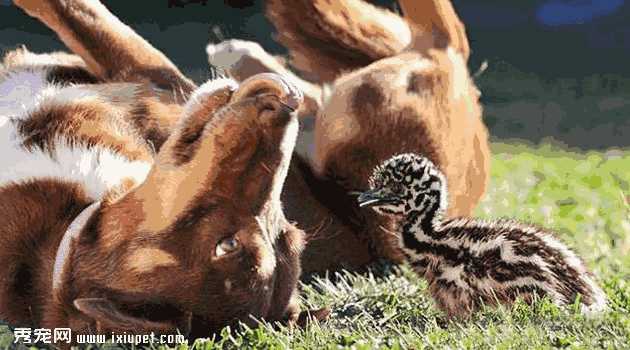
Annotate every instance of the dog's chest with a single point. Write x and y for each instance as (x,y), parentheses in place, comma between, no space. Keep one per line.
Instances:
(95,167)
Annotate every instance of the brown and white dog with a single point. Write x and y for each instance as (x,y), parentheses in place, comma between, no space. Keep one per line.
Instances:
(379,84)
(132,200)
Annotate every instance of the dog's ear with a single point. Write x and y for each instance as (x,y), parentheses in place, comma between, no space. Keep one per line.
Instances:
(108,317)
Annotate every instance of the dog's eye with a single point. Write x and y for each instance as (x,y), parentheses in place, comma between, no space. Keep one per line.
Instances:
(226,246)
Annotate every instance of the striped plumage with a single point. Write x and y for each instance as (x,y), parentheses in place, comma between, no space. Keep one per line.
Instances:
(468,261)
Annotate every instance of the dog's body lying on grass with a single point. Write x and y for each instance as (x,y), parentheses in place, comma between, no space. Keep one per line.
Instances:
(144,208)
(395,84)
(130,199)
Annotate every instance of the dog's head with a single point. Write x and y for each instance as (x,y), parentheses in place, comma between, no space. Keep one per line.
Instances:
(203,240)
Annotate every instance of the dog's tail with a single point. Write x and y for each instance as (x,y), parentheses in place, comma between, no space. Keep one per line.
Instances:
(329,37)
(435,26)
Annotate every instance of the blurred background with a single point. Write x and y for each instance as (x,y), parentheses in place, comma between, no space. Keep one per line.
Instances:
(557,70)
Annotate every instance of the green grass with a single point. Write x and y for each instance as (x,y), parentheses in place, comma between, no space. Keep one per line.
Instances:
(580,195)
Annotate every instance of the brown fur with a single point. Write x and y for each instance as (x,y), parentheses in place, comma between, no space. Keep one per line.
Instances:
(328,38)
(326,215)
(22,57)
(145,259)
(150,113)
(84,123)
(390,100)
(411,106)
(39,211)
(71,75)
(191,132)
(437,25)
(111,50)
(129,292)
(255,60)
(400,85)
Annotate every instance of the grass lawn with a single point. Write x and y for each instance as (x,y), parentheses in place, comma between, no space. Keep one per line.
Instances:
(583,196)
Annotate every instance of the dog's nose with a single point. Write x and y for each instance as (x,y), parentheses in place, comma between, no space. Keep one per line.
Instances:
(272,83)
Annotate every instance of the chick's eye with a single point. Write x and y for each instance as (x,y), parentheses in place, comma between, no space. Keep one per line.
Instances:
(226,246)
(396,188)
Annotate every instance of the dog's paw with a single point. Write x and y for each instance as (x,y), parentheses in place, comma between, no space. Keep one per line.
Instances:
(228,54)
(209,87)
(303,318)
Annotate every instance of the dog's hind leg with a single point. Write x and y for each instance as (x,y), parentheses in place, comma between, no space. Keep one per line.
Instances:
(242,59)
(327,38)
(111,50)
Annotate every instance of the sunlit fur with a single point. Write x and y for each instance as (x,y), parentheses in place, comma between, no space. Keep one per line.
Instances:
(122,181)
(378,83)
(469,262)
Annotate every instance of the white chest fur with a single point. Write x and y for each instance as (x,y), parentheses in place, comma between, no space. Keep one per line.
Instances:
(96,168)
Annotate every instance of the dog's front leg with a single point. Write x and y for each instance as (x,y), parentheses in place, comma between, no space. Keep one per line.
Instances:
(111,49)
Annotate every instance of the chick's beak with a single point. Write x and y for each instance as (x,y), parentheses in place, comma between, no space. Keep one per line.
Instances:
(372,197)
